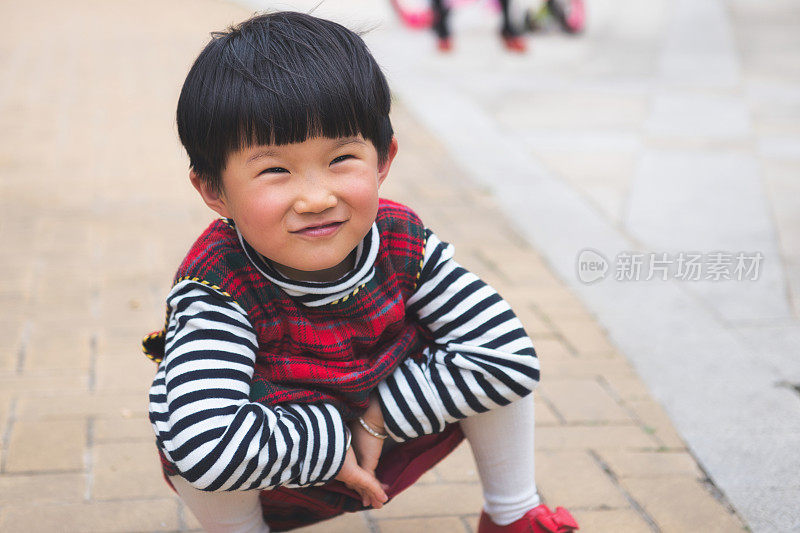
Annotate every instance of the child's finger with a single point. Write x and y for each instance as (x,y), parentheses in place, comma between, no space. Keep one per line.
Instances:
(369,488)
(377,501)
(379,497)
(373,495)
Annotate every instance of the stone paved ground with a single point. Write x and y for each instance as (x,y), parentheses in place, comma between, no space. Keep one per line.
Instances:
(95,212)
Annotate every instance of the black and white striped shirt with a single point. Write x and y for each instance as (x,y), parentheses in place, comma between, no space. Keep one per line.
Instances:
(219,440)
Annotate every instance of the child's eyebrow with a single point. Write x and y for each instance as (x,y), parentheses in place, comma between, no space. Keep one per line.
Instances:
(268,152)
(348,140)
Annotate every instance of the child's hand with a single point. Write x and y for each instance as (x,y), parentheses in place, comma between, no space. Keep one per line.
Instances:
(363,482)
(368,447)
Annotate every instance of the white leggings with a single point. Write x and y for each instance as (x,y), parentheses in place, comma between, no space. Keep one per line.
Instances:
(501,442)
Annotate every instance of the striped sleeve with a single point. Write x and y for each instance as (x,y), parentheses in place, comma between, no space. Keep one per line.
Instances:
(481,358)
(201,413)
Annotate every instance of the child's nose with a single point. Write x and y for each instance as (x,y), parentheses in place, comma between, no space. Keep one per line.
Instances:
(314,200)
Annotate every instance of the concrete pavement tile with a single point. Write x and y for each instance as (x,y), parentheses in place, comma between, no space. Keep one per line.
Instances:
(440,525)
(656,421)
(16,298)
(117,306)
(133,429)
(604,176)
(11,335)
(55,445)
(679,504)
(774,107)
(5,409)
(101,517)
(617,520)
(775,468)
(472,522)
(778,342)
(697,116)
(429,500)
(793,275)
(631,463)
(477,231)
(583,401)
(519,266)
(594,437)
(574,110)
(186,517)
(127,371)
(42,488)
(586,336)
(459,466)
(610,199)
(781,184)
(531,320)
(767,41)
(551,141)
(544,413)
(669,198)
(573,479)
(556,301)
(127,470)
(587,367)
(428,478)
(469,258)
(783,147)
(49,348)
(552,349)
(67,405)
(613,166)
(669,212)
(769,506)
(698,48)
(69,307)
(627,386)
(71,380)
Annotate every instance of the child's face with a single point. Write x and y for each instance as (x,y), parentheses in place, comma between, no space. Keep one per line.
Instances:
(305,206)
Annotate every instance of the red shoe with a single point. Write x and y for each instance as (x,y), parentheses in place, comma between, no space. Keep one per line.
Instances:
(444,44)
(538,520)
(514,43)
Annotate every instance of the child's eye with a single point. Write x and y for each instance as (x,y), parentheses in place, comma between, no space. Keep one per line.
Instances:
(274,170)
(341,158)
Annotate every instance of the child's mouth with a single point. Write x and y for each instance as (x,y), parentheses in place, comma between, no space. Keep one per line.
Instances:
(323,230)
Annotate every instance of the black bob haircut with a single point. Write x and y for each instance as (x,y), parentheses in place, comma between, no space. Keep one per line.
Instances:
(280,78)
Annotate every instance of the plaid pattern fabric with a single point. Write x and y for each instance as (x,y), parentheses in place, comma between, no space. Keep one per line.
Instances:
(335,353)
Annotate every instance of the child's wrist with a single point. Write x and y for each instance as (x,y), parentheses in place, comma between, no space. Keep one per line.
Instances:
(378,433)
(374,414)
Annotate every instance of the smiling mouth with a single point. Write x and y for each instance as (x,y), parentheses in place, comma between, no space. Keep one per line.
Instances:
(323,230)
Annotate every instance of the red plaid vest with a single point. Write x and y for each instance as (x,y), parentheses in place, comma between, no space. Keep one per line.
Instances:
(335,353)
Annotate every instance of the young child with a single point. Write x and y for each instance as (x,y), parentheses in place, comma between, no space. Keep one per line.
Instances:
(511,36)
(314,320)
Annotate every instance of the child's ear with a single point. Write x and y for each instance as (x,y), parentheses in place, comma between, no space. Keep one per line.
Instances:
(383,169)
(212,197)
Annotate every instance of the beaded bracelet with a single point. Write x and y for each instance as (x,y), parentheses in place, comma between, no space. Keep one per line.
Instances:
(370,430)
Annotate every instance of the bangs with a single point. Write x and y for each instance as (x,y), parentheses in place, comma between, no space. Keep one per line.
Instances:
(279,79)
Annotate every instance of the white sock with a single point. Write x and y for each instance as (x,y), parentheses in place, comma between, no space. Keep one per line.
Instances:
(502,444)
(223,512)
